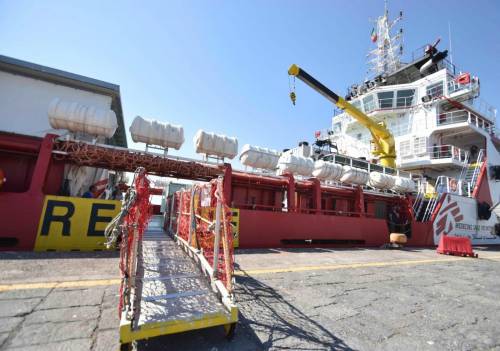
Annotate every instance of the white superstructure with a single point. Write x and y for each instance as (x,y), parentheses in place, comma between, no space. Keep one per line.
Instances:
(444,134)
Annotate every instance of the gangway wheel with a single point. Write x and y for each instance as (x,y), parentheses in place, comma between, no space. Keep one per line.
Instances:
(229,330)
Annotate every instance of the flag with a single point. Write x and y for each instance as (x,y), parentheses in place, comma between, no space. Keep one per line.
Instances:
(373,35)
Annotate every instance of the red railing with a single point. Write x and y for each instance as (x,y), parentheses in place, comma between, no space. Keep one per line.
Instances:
(204,222)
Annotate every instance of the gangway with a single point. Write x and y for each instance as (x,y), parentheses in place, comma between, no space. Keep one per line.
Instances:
(167,285)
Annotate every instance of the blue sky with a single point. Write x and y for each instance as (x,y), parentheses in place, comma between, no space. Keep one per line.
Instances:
(222,65)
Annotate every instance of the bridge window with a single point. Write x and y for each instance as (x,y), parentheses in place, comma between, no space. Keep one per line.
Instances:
(369,103)
(357,104)
(404,148)
(337,127)
(385,99)
(419,145)
(435,90)
(405,98)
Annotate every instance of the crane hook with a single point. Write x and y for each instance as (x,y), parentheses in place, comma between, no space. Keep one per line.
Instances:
(291,87)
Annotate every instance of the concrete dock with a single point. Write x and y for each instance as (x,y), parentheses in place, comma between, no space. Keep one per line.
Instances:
(308,299)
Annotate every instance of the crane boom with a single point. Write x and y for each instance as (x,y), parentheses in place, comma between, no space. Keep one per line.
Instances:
(382,137)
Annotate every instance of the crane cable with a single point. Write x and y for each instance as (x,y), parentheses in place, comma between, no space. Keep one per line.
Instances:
(291,87)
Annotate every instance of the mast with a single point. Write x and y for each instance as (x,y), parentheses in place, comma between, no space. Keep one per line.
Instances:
(385,58)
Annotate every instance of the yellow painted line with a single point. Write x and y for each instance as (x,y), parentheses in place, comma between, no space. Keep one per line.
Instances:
(108,282)
(58,285)
(355,265)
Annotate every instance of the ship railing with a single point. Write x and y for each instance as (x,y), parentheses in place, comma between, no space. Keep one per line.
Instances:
(435,152)
(447,151)
(324,134)
(444,185)
(281,208)
(450,67)
(464,116)
(366,165)
(483,107)
(420,52)
(454,86)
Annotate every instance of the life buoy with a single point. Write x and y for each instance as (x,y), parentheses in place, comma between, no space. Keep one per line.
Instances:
(453,184)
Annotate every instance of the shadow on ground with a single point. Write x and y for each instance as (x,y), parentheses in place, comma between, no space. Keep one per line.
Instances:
(267,321)
(277,322)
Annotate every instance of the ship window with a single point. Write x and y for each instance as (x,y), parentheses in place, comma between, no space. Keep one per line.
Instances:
(404,148)
(419,145)
(357,104)
(405,98)
(385,99)
(435,90)
(337,127)
(369,103)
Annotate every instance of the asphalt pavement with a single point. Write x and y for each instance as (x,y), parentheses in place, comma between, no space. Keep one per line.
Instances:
(302,299)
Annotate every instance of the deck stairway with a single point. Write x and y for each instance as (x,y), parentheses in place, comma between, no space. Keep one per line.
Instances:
(425,204)
(471,174)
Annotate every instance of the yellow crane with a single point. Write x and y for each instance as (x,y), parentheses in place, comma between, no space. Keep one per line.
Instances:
(382,138)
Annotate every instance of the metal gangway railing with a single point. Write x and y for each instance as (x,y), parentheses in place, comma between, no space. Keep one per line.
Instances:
(442,182)
(173,283)
(419,201)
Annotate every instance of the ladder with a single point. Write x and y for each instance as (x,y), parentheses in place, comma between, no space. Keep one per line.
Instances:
(419,203)
(441,183)
(471,174)
(463,184)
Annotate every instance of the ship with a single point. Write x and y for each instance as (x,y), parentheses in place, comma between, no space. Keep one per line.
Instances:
(441,132)
(412,152)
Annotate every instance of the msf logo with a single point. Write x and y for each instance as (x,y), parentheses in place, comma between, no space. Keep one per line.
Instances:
(447,217)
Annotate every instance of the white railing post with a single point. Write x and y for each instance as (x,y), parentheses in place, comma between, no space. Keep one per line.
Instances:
(218,210)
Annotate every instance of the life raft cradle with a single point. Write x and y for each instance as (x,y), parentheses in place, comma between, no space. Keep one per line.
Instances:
(174,292)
